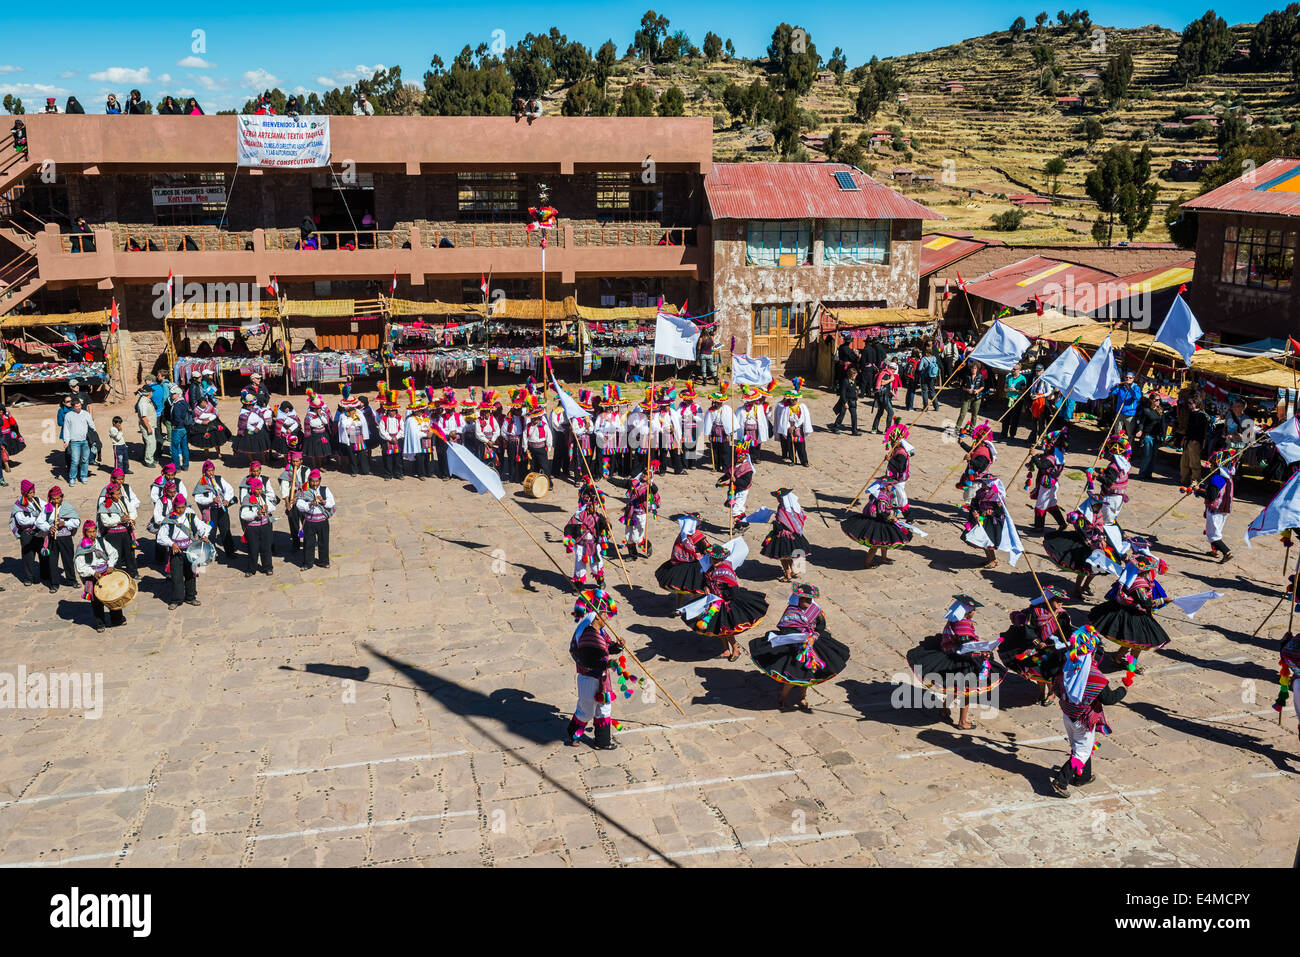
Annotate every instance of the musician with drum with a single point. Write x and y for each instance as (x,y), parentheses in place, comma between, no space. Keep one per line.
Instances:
(214,496)
(95,557)
(316,505)
(178,532)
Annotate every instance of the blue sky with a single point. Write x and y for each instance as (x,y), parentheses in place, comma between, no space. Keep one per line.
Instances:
(89,49)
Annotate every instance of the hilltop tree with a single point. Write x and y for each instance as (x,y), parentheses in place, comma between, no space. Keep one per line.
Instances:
(731,49)
(793,56)
(648,41)
(1092,131)
(683,46)
(868,102)
(672,102)
(477,84)
(1054,169)
(585,98)
(1276,39)
(749,104)
(573,62)
(1040,21)
(1116,76)
(13,104)
(1205,46)
(529,65)
(637,100)
(1017,28)
(836,64)
(1120,184)
(1062,18)
(712,46)
(606,57)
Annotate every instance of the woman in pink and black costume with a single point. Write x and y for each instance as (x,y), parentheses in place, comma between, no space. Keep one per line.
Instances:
(1127,616)
(682,573)
(726,610)
(878,527)
(954,663)
(785,542)
(800,653)
(1033,645)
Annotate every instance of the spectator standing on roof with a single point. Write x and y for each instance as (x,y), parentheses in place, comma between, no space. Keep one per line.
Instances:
(134,104)
(362,106)
(111,106)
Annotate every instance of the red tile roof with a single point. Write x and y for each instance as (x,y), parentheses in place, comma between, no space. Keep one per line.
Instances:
(1016,285)
(803,191)
(1271,190)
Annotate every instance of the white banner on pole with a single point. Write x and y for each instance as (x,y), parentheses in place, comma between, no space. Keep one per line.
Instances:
(751,370)
(283,142)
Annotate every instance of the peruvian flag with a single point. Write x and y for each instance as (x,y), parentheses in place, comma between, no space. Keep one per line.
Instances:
(113,319)
(392,290)
(945,290)
(273,287)
(1293,346)
(482,283)
(171,287)
(961,283)
(1038,304)
(682,311)
(1182,289)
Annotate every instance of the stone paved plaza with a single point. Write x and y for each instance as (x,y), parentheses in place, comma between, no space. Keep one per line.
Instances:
(407,705)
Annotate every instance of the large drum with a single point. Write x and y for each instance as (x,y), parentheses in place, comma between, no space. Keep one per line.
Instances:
(536,484)
(116,590)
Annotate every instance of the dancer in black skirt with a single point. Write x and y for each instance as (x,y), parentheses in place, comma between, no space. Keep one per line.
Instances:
(941,664)
(253,438)
(208,431)
(317,445)
(682,573)
(986,511)
(1073,548)
(726,610)
(785,542)
(1032,646)
(878,527)
(1127,616)
(287,427)
(801,652)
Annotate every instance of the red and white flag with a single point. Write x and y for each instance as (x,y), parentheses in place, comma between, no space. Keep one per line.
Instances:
(273,287)
(1038,304)
(945,290)
(392,290)
(1182,289)
(483,283)
(171,287)
(113,319)
(961,283)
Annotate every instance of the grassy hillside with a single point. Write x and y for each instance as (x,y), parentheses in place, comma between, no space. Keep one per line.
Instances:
(993,138)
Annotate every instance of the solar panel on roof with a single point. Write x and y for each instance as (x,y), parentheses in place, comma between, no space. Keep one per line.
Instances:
(845,179)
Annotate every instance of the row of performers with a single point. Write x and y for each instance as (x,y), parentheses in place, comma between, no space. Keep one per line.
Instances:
(50,531)
(517,435)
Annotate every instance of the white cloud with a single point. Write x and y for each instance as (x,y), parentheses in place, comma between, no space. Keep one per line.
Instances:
(164,78)
(122,74)
(259,79)
(342,78)
(5,68)
(210,84)
(302,91)
(195,63)
(32,89)
(183,92)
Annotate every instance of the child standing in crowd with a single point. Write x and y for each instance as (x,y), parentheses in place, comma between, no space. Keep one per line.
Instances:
(120,459)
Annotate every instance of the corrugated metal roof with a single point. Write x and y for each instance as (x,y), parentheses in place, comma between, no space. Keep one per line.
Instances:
(1146,281)
(802,191)
(940,249)
(1053,279)
(1272,189)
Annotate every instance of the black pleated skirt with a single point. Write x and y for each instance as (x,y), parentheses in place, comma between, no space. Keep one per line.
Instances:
(783,665)
(254,443)
(784,543)
(684,577)
(742,612)
(1128,627)
(875,532)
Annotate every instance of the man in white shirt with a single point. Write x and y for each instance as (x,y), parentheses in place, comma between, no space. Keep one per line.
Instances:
(179,529)
(147,417)
(316,505)
(77,426)
(257,512)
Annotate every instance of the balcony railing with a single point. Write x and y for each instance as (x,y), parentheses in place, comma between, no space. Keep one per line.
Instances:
(479,237)
(632,234)
(289,239)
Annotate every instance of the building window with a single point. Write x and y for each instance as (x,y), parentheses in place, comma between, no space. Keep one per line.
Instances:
(856,242)
(778,243)
(623,197)
(188,199)
(488,197)
(1260,258)
(779,319)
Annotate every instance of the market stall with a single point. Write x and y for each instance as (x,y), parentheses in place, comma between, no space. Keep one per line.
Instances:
(347,340)
(230,340)
(611,337)
(898,328)
(45,350)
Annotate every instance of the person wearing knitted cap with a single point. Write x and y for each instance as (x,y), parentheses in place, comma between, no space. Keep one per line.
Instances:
(118,509)
(666,431)
(981,453)
(587,537)
(727,609)
(1114,477)
(898,467)
(562,439)
(316,428)
(288,484)
(316,505)
(682,573)
(800,653)
(878,527)
(596,654)
(1044,477)
(60,522)
(986,518)
(738,478)
(450,423)
(539,440)
(389,427)
(25,520)
(1128,615)
(178,530)
(955,662)
(689,418)
(257,503)
(513,454)
(95,557)
(252,437)
(165,475)
(487,430)
(213,497)
(1217,492)
(785,541)
(1083,692)
(637,423)
(719,424)
(1082,547)
(793,425)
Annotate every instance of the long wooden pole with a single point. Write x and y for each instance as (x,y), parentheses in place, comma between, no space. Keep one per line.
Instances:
(1194,488)
(731,484)
(487,326)
(649,447)
(625,645)
(924,409)
(544,356)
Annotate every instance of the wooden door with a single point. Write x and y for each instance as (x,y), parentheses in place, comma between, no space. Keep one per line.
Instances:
(780,332)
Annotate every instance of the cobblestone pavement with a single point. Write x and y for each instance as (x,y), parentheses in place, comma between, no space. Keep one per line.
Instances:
(406,705)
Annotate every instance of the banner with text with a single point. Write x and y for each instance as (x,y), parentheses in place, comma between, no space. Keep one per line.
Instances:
(188,195)
(284,142)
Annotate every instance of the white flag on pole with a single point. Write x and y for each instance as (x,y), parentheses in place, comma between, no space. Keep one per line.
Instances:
(464,464)
(751,370)
(675,336)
